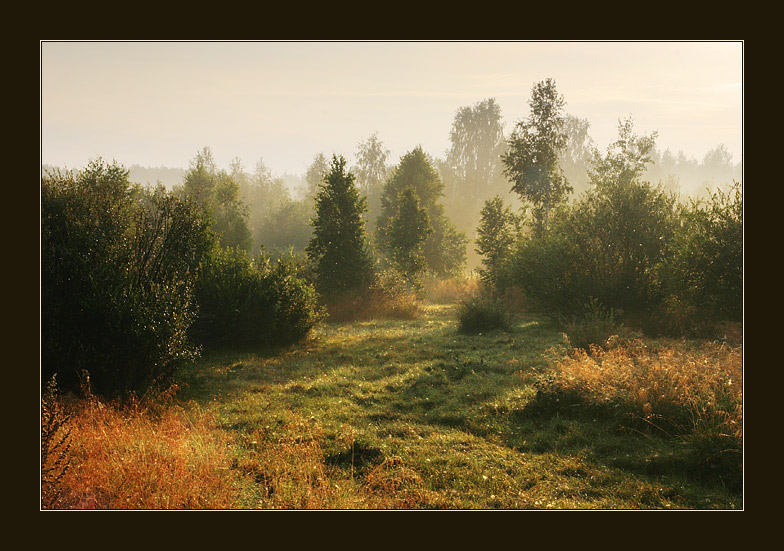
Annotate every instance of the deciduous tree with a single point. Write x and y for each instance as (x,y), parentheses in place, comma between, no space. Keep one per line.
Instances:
(531,161)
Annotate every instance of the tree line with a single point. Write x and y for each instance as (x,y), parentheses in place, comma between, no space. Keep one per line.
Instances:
(135,280)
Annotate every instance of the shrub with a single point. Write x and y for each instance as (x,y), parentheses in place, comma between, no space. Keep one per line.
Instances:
(118,264)
(593,328)
(607,246)
(480,314)
(705,272)
(252,302)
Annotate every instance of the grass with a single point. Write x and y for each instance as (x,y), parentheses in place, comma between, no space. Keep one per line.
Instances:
(386,414)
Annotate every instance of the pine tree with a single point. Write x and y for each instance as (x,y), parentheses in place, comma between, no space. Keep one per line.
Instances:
(338,247)
(408,230)
(445,248)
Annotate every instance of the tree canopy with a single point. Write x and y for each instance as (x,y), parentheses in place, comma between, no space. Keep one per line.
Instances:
(532,160)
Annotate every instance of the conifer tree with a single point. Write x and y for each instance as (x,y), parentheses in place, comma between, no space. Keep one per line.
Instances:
(408,230)
(338,247)
(445,247)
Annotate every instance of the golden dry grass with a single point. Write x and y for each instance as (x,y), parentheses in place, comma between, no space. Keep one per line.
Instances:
(127,458)
(692,391)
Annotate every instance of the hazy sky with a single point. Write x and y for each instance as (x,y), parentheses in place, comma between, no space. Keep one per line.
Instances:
(158,103)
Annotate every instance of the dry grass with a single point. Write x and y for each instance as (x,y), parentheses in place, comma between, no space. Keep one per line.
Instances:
(450,291)
(129,458)
(690,393)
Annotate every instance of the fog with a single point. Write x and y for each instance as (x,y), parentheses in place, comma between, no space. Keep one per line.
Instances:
(272,114)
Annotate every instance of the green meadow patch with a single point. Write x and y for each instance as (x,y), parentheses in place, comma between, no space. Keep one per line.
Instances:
(416,414)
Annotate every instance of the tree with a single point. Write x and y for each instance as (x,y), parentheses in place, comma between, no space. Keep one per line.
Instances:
(497,233)
(445,248)
(477,141)
(576,157)
(371,172)
(338,247)
(626,158)
(264,195)
(408,230)
(315,174)
(531,161)
(218,194)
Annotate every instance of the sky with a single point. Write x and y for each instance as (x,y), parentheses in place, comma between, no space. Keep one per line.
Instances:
(159,103)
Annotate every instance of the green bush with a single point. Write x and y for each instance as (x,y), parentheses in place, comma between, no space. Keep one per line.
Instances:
(118,264)
(593,328)
(705,272)
(606,246)
(252,302)
(481,314)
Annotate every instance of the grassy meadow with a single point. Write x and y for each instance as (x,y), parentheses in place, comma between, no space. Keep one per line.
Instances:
(412,414)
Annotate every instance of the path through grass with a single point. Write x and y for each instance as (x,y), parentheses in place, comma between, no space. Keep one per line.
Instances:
(412,414)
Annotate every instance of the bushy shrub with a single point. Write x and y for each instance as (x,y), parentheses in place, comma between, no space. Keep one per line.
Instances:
(480,314)
(253,302)
(118,264)
(705,272)
(607,246)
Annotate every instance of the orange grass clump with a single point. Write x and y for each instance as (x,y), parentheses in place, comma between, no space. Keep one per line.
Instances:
(695,391)
(125,458)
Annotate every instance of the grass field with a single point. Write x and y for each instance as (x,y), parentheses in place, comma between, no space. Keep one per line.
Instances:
(413,414)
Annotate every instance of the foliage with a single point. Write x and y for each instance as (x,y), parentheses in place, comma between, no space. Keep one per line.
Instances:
(265,197)
(532,160)
(626,158)
(472,167)
(575,159)
(118,265)
(479,314)
(55,443)
(338,247)
(371,173)
(497,233)
(592,328)
(314,176)
(444,249)
(609,244)
(252,302)
(287,227)
(407,232)
(705,271)
(218,193)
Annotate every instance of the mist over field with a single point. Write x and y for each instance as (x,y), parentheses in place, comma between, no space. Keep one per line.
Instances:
(392,275)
